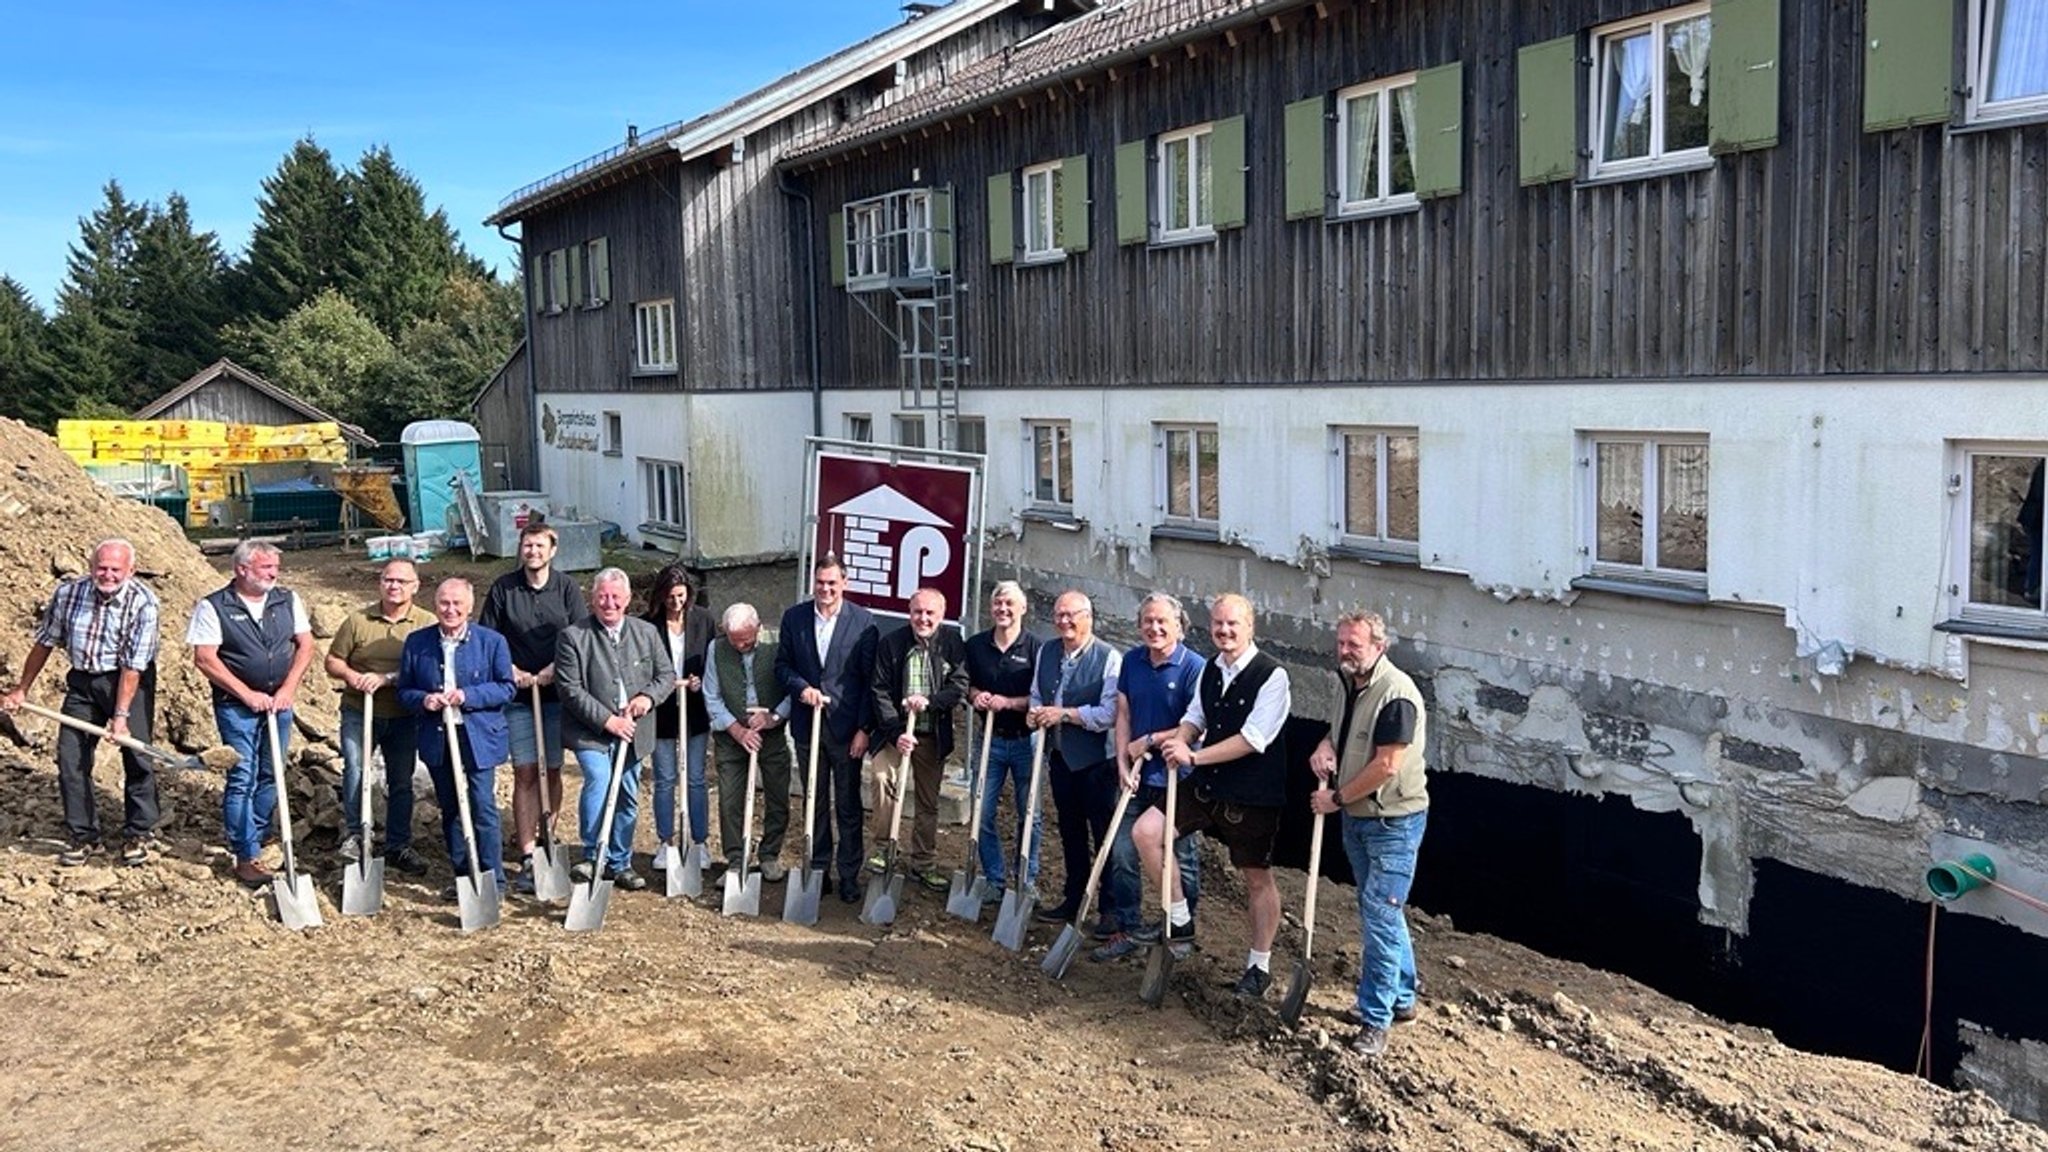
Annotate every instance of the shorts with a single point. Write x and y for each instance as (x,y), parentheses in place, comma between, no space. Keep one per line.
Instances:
(1248,830)
(519,726)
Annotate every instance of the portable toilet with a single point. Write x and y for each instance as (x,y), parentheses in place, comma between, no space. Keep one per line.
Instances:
(436,452)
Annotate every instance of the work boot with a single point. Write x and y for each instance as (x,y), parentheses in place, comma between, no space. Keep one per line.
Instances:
(627,879)
(1370,1042)
(407,861)
(252,873)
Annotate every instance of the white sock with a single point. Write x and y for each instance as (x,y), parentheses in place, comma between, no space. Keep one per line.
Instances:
(1177,913)
(1263,961)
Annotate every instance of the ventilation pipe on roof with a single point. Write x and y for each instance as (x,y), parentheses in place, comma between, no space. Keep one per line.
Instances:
(810,274)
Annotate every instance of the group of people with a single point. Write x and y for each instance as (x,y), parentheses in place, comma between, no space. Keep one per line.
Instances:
(540,668)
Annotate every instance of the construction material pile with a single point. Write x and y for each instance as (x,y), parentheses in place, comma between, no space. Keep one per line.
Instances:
(204,452)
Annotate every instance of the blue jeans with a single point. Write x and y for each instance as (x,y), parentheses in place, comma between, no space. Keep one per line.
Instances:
(596,765)
(1382,854)
(1125,882)
(1009,759)
(483,814)
(665,789)
(249,798)
(398,738)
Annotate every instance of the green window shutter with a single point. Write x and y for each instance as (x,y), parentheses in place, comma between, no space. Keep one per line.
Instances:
(942,229)
(835,246)
(1308,145)
(1742,65)
(1440,131)
(1002,220)
(1908,63)
(1132,199)
(1227,176)
(1074,209)
(1546,94)
(602,290)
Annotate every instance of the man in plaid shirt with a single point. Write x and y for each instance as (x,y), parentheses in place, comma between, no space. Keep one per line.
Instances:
(106,624)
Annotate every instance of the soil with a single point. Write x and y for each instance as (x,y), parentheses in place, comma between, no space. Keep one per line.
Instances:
(164,1007)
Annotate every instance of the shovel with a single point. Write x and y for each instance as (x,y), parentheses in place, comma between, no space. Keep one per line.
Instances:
(964,898)
(800,899)
(1159,961)
(1068,945)
(1020,898)
(1297,988)
(684,871)
(549,868)
(743,884)
(221,758)
(588,900)
(476,895)
(296,906)
(887,890)
(362,883)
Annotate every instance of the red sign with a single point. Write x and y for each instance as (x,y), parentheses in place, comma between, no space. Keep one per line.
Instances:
(897,528)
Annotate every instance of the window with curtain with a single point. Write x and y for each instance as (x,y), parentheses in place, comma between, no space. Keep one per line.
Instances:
(1044,210)
(1375,145)
(2011,55)
(1184,184)
(1650,87)
(1647,498)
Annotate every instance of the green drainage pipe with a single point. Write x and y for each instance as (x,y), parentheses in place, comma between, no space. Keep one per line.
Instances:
(1949,879)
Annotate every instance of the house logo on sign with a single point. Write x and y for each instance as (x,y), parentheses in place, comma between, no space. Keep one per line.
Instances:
(890,544)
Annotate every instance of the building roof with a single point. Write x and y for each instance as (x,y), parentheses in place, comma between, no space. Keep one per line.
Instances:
(1088,44)
(229,370)
(773,102)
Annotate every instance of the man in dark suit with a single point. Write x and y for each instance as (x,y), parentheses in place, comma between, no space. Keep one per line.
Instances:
(467,667)
(826,651)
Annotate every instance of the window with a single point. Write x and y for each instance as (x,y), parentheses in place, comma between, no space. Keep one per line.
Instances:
(654,336)
(910,430)
(2010,64)
(970,434)
(1051,444)
(551,281)
(597,273)
(866,229)
(1186,184)
(1650,91)
(662,480)
(917,227)
(1378,486)
(860,427)
(614,434)
(1044,211)
(1649,507)
(2000,519)
(1376,145)
(1187,472)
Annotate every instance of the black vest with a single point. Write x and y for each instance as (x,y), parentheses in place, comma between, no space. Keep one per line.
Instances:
(1260,778)
(258,652)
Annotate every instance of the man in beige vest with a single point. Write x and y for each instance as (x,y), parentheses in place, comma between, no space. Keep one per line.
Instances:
(1376,753)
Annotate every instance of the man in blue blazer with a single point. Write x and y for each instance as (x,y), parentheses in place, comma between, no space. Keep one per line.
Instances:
(478,689)
(826,650)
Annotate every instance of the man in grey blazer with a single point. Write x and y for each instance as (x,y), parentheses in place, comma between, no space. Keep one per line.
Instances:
(826,651)
(611,669)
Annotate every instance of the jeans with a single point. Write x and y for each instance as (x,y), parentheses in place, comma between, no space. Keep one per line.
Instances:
(1125,884)
(665,789)
(248,799)
(596,765)
(398,738)
(483,813)
(1009,759)
(1081,799)
(1382,853)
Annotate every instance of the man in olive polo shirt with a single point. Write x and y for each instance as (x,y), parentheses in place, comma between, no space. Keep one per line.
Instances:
(364,657)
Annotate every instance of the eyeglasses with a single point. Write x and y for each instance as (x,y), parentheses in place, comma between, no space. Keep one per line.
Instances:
(1073,615)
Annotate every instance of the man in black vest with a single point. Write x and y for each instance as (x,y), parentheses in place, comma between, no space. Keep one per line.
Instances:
(252,640)
(1239,783)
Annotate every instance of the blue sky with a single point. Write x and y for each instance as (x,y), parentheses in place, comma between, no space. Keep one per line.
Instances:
(474,98)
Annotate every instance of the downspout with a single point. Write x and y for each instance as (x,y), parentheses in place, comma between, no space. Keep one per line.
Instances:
(810,274)
(526,322)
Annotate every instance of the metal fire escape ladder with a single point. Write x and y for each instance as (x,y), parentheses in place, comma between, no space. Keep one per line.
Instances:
(903,243)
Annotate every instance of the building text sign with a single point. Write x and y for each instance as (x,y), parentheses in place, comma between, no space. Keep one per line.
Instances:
(897,528)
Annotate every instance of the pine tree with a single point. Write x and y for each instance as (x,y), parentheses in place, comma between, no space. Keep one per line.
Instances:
(179,301)
(28,389)
(92,338)
(298,248)
(399,255)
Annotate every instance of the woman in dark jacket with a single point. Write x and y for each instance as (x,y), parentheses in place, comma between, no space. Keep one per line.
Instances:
(688,627)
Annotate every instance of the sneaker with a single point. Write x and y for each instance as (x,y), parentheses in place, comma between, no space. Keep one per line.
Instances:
(628,880)
(582,872)
(450,896)
(135,853)
(935,880)
(773,871)
(1370,1042)
(406,860)
(351,848)
(1181,933)
(1116,947)
(703,856)
(78,854)
(1056,915)
(1253,984)
(991,894)
(1148,932)
(1404,1013)
(522,884)
(1105,927)
(252,873)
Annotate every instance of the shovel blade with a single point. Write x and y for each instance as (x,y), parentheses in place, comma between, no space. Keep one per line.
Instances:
(297,908)
(882,898)
(587,903)
(800,897)
(1158,973)
(362,887)
(964,898)
(1297,995)
(667,859)
(550,873)
(477,899)
(686,882)
(1013,918)
(1063,952)
(742,895)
